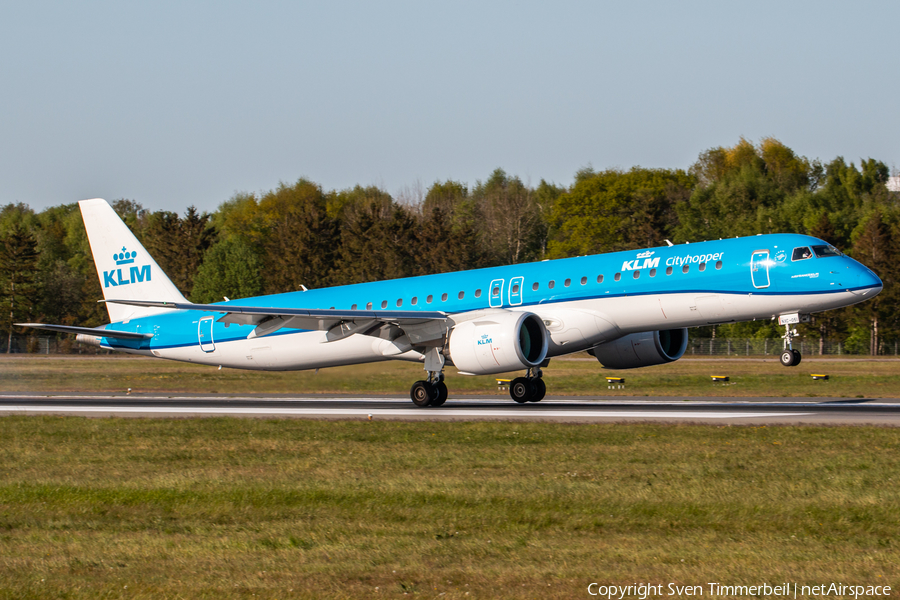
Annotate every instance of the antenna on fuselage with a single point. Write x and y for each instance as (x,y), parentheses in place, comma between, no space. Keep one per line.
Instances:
(669,243)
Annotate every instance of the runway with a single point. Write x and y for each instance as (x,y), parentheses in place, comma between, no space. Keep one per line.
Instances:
(735,411)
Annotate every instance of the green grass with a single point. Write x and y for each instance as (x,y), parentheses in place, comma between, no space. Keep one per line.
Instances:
(687,377)
(230,508)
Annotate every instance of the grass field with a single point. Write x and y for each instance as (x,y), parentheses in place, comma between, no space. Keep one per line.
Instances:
(687,377)
(230,508)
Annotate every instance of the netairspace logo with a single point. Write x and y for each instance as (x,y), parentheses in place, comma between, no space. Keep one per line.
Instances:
(785,589)
(115,278)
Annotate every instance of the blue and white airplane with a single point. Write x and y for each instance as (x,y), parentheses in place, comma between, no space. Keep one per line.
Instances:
(628,309)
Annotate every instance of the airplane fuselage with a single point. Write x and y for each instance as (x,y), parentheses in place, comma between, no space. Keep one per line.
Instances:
(583,302)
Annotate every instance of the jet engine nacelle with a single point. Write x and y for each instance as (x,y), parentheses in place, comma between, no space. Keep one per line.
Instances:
(642,349)
(499,342)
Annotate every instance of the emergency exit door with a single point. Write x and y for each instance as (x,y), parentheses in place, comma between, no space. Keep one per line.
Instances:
(205,334)
(759,269)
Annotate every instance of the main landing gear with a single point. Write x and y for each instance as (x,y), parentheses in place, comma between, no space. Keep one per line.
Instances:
(431,391)
(530,388)
(790,357)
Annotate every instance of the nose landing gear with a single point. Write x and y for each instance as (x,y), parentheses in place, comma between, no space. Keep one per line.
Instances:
(790,357)
(530,388)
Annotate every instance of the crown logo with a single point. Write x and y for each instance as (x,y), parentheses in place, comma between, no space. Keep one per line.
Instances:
(124,257)
(646,254)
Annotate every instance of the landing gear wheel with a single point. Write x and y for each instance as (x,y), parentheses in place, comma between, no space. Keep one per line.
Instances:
(787,358)
(521,390)
(540,390)
(797,357)
(422,393)
(440,394)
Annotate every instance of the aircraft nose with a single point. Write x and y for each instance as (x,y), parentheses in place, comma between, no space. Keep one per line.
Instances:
(867,283)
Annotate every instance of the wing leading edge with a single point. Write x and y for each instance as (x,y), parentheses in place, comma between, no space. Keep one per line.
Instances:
(419,326)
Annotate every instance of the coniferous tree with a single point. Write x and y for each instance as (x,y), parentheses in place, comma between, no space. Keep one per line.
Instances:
(875,247)
(179,244)
(18,273)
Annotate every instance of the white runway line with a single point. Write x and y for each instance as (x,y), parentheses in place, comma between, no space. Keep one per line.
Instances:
(363,413)
(404,401)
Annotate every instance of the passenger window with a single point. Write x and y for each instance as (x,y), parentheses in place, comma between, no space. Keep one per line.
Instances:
(685,268)
(618,276)
(637,274)
(801,253)
(369,306)
(583,280)
(515,289)
(462,295)
(444,297)
(495,292)
(353,307)
(702,266)
(599,278)
(535,286)
(568,282)
(718,264)
(668,270)
(429,299)
(478,293)
(414,301)
(384,304)
(552,284)
(652,272)
(399,302)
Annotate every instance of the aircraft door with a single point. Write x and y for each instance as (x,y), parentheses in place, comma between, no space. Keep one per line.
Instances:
(759,269)
(515,290)
(495,297)
(204,334)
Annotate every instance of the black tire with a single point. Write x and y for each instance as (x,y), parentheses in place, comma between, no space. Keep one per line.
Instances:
(540,390)
(422,394)
(797,357)
(440,394)
(521,390)
(787,358)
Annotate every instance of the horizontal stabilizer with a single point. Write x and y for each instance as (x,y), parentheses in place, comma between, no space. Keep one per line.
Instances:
(98,331)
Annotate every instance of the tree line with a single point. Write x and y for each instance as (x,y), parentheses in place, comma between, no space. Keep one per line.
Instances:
(302,235)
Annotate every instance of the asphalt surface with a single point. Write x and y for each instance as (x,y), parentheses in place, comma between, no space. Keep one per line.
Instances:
(744,411)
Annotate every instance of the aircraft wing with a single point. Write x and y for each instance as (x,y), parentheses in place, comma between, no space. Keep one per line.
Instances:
(98,331)
(420,326)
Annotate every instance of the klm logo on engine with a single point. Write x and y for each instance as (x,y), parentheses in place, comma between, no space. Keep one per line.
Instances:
(485,340)
(649,263)
(125,274)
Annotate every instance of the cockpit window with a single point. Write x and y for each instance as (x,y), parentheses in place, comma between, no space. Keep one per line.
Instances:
(822,251)
(801,253)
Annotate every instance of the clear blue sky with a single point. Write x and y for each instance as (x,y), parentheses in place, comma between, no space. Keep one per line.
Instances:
(179,103)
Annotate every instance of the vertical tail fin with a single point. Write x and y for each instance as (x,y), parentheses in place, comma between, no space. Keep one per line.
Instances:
(126,270)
